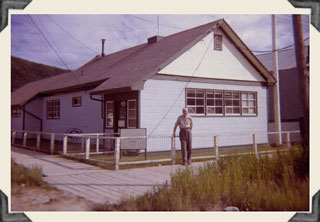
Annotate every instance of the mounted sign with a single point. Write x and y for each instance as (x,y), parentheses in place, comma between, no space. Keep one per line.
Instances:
(133,143)
(123,103)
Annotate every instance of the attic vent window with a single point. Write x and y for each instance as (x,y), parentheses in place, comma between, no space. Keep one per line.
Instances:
(218,42)
(76,101)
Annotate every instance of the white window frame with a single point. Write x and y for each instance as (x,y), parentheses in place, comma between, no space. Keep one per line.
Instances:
(135,117)
(215,99)
(53,109)
(78,99)
(233,105)
(106,114)
(245,99)
(195,106)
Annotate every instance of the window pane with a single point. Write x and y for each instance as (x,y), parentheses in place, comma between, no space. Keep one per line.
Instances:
(236,110)
(132,114)
(199,110)
(200,93)
(191,93)
(251,96)
(210,102)
(228,102)
(210,110)
(219,102)
(132,105)
(219,110)
(210,94)
(132,123)
(191,110)
(236,103)
(252,103)
(218,95)
(191,102)
(200,101)
(228,110)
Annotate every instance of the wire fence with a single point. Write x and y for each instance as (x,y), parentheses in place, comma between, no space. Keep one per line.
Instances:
(112,149)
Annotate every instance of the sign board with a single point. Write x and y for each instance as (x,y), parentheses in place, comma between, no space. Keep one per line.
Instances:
(133,143)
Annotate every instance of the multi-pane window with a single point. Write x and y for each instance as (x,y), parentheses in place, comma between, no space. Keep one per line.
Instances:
(76,101)
(109,114)
(232,102)
(214,102)
(218,42)
(249,103)
(16,112)
(53,109)
(195,101)
(132,113)
(210,102)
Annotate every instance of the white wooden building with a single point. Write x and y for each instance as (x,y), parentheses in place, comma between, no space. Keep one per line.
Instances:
(207,69)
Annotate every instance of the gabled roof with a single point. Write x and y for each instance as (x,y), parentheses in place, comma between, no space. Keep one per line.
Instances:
(128,69)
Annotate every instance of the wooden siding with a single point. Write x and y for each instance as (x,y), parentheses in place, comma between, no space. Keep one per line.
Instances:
(87,117)
(229,63)
(162,102)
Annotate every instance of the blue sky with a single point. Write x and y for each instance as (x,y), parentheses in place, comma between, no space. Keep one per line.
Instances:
(69,41)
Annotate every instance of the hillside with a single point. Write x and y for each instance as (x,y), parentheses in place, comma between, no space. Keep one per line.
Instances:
(24,71)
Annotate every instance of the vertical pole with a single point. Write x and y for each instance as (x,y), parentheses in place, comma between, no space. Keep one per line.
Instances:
(87,148)
(255,147)
(25,135)
(288,140)
(97,144)
(65,145)
(173,150)
(303,75)
(38,140)
(276,92)
(117,154)
(14,137)
(216,148)
(52,144)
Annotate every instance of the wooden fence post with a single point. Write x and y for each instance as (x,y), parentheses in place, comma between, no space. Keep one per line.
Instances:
(25,135)
(65,145)
(173,150)
(87,148)
(14,137)
(117,154)
(255,147)
(216,148)
(38,140)
(97,144)
(52,143)
(288,140)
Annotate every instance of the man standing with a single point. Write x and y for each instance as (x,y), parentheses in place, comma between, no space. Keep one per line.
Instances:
(185,123)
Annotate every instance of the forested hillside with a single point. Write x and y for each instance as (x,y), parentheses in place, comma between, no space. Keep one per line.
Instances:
(24,71)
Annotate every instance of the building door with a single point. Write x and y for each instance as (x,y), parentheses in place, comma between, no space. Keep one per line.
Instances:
(120,115)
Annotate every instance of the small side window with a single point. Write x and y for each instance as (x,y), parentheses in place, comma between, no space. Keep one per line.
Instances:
(76,101)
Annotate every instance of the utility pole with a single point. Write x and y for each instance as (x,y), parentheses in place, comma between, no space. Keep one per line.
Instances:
(303,75)
(276,92)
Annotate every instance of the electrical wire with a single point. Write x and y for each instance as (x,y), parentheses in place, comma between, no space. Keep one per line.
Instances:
(146,20)
(70,35)
(183,88)
(52,48)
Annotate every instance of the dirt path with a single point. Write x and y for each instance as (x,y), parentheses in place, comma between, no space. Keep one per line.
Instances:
(40,199)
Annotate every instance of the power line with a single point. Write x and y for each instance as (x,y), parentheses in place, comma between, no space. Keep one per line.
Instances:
(52,47)
(183,89)
(146,20)
(71,36)
(47,45)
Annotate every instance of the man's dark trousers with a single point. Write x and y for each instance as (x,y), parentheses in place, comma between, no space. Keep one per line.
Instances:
(186,144)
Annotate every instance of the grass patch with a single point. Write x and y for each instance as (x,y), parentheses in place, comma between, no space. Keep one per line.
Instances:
(26,177)
(273,183)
